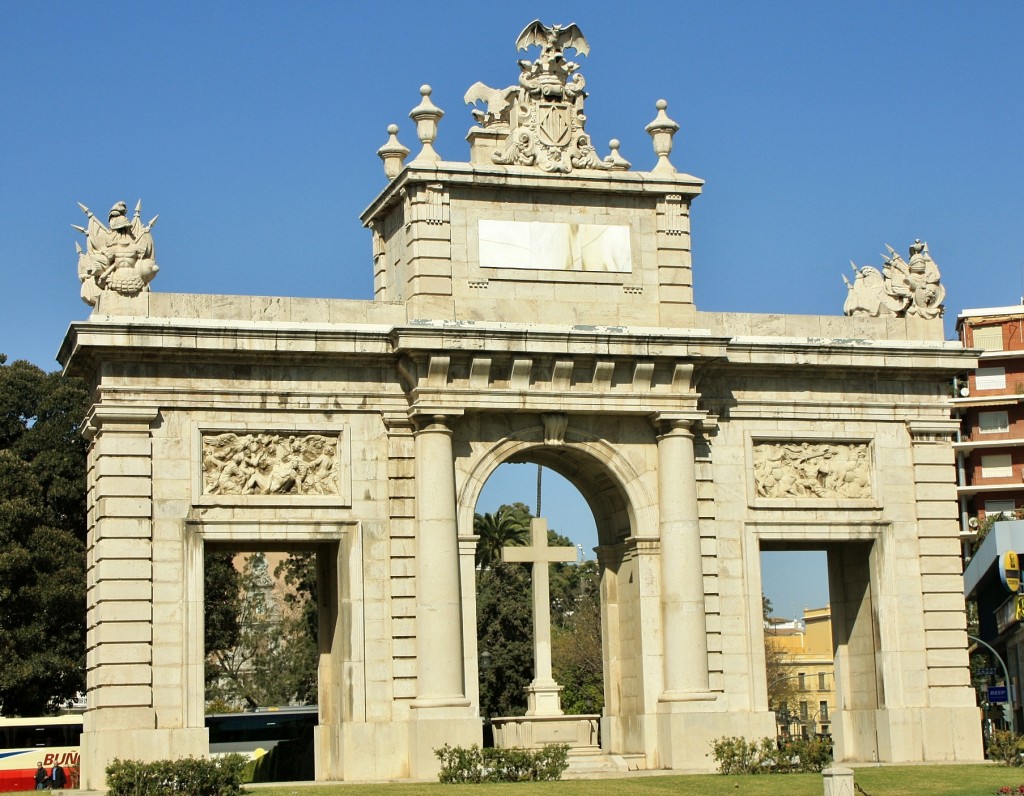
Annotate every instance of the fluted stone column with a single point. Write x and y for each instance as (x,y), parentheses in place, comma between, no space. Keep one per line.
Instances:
(682,578)
(438,589)
(441,712)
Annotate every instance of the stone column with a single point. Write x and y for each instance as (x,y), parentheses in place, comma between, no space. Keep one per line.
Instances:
(682,580)
(440,673)
(441,712)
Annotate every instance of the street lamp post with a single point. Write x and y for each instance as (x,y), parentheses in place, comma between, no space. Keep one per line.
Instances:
(1006,676)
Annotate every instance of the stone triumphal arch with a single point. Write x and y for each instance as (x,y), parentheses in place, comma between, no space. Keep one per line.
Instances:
(534,303)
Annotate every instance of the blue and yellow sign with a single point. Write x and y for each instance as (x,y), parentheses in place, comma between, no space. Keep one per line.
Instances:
(1009,572)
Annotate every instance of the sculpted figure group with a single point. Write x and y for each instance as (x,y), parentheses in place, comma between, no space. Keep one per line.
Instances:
(543,114)
(269,464)
(899,289)
(812,470)
(117,257)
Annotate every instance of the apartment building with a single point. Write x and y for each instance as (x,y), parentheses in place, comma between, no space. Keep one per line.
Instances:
(990,452)
(808,664)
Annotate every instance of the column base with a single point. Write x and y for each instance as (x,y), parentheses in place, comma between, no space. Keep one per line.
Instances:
(908,735)
(687,696)
(99,748)
(433,726)
(352,751)
(687,730)
(543,699)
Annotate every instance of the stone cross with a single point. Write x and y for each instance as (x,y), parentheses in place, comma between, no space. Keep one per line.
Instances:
(543,693)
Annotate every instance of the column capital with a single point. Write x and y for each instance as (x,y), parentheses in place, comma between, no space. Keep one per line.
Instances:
(435,420)
(683,424)
(122,418)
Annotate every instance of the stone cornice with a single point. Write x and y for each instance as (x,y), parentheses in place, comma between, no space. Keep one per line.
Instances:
(492,176)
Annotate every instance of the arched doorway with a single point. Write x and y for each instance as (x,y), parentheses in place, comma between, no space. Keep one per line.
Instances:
(611,489)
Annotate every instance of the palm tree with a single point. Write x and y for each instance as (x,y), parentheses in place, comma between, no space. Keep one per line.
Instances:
(509,525)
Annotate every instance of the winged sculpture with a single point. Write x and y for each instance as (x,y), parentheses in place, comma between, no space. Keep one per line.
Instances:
(554,39)
(540,121)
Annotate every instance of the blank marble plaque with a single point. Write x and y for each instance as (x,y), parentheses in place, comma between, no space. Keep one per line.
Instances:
(554,246)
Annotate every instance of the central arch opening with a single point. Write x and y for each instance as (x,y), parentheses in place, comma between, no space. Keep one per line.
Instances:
(513,496)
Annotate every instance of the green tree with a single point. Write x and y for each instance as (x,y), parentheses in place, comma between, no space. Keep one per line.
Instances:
(268,664)
(298,572)
(222,586)
(508,526)
(782,688)
(42,538)
(505,633)
(577,658)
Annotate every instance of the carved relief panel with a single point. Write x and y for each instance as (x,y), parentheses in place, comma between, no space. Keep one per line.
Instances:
(811,470)
(237,466)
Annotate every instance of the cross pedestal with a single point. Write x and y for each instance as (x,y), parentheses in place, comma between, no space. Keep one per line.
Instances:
(543,694)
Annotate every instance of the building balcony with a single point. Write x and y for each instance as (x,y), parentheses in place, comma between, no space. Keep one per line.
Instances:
(973,489)
(1008,398)
(981,442)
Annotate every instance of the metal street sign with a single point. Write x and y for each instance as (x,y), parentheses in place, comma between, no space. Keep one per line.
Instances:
(986,671)
(997,693)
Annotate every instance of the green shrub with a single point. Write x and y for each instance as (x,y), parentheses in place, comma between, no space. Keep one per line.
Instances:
(459,764)
(767,756)
(1006,747)
(190,777)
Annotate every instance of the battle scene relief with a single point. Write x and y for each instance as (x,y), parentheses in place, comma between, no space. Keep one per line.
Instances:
(812,470)
(270,464)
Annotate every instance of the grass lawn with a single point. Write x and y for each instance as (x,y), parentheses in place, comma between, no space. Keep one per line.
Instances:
(933,780)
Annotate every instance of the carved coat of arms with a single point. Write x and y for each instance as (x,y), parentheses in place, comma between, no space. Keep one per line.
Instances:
(544,113)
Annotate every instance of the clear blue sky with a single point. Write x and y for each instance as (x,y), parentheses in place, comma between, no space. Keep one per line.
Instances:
(824,131)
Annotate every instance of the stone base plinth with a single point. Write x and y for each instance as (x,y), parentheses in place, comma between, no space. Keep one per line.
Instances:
(908,735)
(431,728)
(100,748)
(838,781)
(543,699)
(351,751)
(534,732)
(686,731)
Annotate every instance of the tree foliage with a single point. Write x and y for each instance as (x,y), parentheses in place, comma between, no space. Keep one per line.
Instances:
(508,526)
(222,603)
(270,662)
(505,621)
(42,538)
(576,652)
(782,689)
(505,633)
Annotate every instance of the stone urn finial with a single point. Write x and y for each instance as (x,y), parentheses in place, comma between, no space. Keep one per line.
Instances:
(661,130)
(426,115)
(615,161)
(393,153)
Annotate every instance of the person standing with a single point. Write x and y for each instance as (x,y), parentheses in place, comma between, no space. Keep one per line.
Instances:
(40,777)
(57,777)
